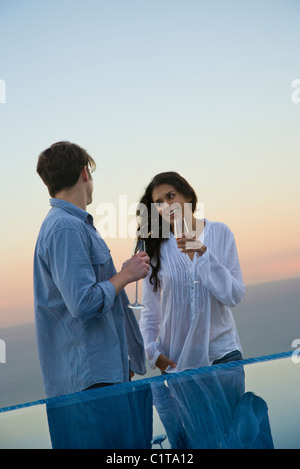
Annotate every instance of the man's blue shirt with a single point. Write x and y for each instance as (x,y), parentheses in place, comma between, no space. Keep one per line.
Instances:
(85,332)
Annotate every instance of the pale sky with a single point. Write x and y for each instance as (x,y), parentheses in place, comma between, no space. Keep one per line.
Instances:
(202,88)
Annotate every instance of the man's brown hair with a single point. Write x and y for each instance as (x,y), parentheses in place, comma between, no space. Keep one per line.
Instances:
(60,165)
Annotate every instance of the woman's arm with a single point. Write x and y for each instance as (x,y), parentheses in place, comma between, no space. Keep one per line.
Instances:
(150,325)
(223,278)
(150,319)
(221,273)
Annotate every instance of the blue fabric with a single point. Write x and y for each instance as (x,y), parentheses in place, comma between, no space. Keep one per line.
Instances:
(201,408)
(201,411)
(212,411)
(229,357)
(84,331)
(157,379)
(96,419)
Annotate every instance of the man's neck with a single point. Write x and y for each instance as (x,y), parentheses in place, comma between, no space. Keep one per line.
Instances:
(74,198)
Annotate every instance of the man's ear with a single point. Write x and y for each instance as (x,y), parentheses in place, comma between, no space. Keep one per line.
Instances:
(85,174)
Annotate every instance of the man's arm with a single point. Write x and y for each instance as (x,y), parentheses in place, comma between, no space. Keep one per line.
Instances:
(133,269)
(74,276)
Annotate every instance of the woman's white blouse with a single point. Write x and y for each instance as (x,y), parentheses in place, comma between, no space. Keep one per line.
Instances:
(191,323)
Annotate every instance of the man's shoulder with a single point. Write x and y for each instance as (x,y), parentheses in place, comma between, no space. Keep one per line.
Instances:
(59,219)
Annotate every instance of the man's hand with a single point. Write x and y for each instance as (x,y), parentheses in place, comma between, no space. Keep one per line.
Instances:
(137,266)
(163,362)
(133,269)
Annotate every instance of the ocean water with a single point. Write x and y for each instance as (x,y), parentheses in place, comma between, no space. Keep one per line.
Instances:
(268,320)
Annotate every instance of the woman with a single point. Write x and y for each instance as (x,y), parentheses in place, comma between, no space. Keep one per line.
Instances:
(185,324)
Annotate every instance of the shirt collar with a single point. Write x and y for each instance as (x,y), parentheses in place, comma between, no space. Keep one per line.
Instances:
(73,209)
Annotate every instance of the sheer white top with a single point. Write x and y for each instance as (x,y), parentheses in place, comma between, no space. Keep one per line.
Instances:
(192,323)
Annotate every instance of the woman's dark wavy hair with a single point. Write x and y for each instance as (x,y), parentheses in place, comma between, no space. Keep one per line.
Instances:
(148,218)
(60,165)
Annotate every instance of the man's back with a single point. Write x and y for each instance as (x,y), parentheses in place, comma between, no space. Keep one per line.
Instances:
(79,320)
(86,333)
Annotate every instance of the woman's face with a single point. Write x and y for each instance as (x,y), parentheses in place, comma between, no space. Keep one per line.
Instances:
(170,203)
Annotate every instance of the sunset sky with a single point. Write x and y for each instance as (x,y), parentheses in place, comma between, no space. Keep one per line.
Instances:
(201,88)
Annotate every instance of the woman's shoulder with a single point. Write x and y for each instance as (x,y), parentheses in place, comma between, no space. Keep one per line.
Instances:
(219,228)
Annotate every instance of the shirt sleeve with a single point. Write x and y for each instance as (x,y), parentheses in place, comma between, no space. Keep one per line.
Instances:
(74,276)
(221,274)
(150,320)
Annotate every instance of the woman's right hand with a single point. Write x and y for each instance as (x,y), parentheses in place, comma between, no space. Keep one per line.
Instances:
(163,362)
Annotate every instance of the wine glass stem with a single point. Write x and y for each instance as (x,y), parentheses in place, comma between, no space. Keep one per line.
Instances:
(136,291)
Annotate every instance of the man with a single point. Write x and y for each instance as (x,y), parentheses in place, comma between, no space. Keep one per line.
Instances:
(86,334)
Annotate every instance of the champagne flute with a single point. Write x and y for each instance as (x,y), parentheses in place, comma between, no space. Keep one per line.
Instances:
(180,229)
(138,246)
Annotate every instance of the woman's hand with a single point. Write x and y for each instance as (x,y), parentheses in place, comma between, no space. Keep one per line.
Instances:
(189,243)
(163,362)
